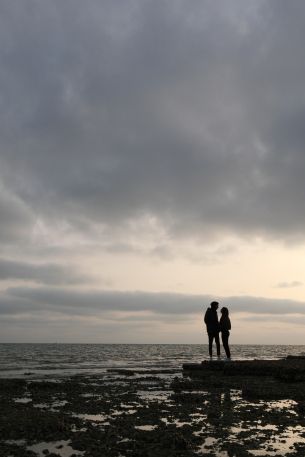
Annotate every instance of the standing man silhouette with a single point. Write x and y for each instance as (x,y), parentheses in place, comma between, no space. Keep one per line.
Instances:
(212,323)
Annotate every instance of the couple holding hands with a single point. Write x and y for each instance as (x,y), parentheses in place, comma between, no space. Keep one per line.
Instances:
(214,327)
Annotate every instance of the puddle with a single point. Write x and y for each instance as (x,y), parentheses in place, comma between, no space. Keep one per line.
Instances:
(90,395)
(41,406)
(16,442)
(239,429)
(281,405)
(59,404)
(103,417)
(92,417)
(209,445)
(155,395)
(22,400)
(52,406)
(74,429)
(271,442)
(282,444)
(128,406)
(146,428)
(119,413)
(177,423)
(61,448)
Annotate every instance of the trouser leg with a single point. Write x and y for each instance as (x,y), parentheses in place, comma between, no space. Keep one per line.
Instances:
(211,337)
(217,343)
(225,342)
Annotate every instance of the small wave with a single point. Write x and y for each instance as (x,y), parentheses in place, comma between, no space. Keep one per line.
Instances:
(81,358)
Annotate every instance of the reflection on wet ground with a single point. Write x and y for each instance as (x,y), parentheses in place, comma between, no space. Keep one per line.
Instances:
(22,400)
(59,448)
(141,416)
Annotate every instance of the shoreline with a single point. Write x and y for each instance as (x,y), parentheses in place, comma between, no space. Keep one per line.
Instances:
(130,413)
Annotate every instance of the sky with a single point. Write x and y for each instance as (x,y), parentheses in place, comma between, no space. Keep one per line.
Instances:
(152,159)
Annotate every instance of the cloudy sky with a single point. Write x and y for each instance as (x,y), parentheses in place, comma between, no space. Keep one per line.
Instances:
(152,158)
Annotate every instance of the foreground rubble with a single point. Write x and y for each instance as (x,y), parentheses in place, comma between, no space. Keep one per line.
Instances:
(217,410)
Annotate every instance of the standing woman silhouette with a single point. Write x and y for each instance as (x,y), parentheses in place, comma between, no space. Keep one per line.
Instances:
(225,327)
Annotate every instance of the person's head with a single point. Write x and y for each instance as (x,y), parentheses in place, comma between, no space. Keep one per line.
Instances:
(214,305)
(224,311)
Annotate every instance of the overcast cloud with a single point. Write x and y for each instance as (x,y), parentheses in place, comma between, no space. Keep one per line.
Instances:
(192,112)
(88,302)
(137,124)
(40,273)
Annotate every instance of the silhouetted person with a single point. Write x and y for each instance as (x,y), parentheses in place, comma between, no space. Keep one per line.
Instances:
(225,327)
(211,321)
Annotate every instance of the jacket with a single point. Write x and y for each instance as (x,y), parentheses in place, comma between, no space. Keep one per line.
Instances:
(225,324)
(211,320)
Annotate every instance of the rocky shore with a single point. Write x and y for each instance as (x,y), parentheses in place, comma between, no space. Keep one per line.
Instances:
(257,379)
(211,412)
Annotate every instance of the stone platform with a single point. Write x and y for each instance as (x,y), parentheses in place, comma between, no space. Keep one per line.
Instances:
(259,379)
(292,367)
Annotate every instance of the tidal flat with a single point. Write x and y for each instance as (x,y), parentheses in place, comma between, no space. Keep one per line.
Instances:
(152,413)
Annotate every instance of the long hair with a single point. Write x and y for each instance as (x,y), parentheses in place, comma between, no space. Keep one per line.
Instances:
(224,311)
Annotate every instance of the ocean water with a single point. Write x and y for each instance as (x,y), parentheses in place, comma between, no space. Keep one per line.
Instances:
(41,360)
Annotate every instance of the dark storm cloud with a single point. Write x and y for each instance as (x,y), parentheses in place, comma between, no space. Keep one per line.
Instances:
(40,273)
(192,111)
(166,305)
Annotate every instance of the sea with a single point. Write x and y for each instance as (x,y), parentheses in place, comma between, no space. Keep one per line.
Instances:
(59,360)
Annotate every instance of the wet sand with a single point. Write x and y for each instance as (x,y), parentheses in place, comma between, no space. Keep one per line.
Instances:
(153,413)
